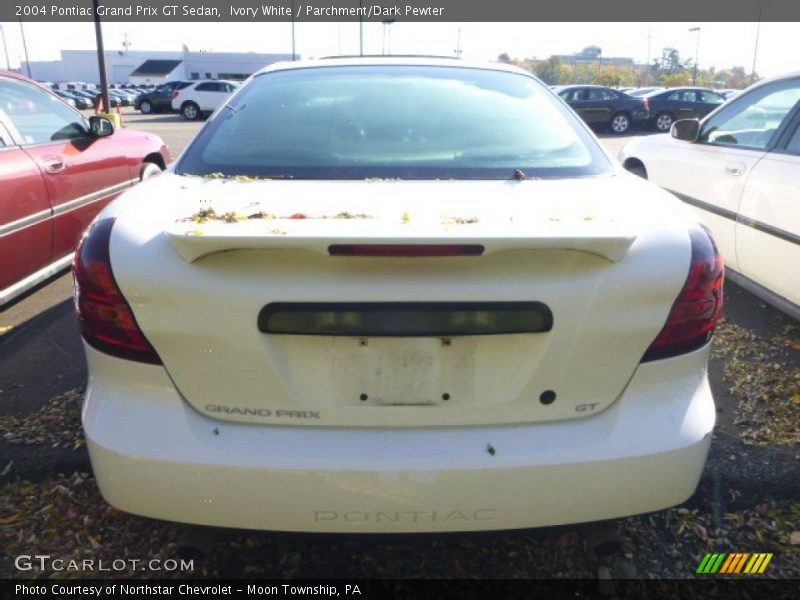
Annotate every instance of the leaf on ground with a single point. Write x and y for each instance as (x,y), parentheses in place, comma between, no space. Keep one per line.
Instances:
(12,519)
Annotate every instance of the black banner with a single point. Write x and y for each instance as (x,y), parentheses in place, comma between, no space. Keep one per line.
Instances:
(401,10)
(652,589)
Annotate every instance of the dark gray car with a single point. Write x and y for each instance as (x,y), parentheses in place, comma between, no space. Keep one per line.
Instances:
(159,99)
(668,106)
(601,106)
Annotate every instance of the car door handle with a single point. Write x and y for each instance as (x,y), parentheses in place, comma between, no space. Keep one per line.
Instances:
(53,164)
(735,169)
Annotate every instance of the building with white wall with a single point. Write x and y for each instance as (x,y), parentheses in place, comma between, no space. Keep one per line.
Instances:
(81,65)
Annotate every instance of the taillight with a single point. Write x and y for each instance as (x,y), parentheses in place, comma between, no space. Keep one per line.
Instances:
(107,322)
(695,312)
(175,94)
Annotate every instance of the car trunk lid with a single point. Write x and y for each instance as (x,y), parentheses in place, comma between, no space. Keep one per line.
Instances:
(587,255)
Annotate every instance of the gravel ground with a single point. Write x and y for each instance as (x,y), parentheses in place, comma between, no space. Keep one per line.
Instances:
(748,500)
(764,377)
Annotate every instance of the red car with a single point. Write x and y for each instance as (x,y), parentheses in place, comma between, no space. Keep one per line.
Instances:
(58,169)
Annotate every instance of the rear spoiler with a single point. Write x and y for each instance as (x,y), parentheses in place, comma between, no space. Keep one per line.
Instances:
(192,241)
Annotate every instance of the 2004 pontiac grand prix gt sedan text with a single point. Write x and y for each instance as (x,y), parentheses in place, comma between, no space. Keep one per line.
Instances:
(396,295)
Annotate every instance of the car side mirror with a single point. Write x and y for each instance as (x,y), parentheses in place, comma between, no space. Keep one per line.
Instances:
(687,130)
(100,127)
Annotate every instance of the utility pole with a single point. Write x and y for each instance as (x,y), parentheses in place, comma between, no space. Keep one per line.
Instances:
(126,45)
(755,48)
(25,47)
(647,64)
(458,44)
(696,53)
(101,59)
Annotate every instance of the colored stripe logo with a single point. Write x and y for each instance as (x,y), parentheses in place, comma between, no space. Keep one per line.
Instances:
(734,562)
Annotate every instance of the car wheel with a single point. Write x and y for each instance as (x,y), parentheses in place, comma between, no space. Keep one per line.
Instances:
(146,107)
(190,111)
(664,122)
(149,170)
(620,123)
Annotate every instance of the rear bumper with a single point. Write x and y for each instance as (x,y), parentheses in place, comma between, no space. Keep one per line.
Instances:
(154,455)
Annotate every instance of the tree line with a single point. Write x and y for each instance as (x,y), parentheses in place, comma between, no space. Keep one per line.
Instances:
(668,70)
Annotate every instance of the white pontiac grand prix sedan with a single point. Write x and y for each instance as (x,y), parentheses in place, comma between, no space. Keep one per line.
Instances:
(396,295)
(739,169)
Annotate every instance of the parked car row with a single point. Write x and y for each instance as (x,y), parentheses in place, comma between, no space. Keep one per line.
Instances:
(79,101)
(193,99)
(739,169)
(83,96)
(655,108)
(58,169)
(637,92)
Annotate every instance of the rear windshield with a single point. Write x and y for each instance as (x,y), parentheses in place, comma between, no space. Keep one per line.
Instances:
(393,122)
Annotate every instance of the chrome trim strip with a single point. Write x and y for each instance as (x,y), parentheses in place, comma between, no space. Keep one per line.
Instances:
(93,197)
(24,222)
(712,208)
(43,215)
(777,232)
(19,288)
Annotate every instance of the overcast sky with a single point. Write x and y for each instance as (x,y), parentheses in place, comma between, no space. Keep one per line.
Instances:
(721,44)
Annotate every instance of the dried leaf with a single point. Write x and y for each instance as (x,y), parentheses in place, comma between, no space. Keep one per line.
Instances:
(12,519)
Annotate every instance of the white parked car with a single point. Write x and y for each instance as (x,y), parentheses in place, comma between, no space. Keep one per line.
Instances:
(395,295)
(739,169)
(202,97)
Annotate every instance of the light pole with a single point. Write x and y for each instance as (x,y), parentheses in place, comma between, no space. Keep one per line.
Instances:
(755,48)
(25,47)
(294,18)
(696,53)
(101,59)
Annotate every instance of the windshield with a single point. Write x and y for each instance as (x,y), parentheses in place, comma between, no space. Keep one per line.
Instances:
(408,122)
